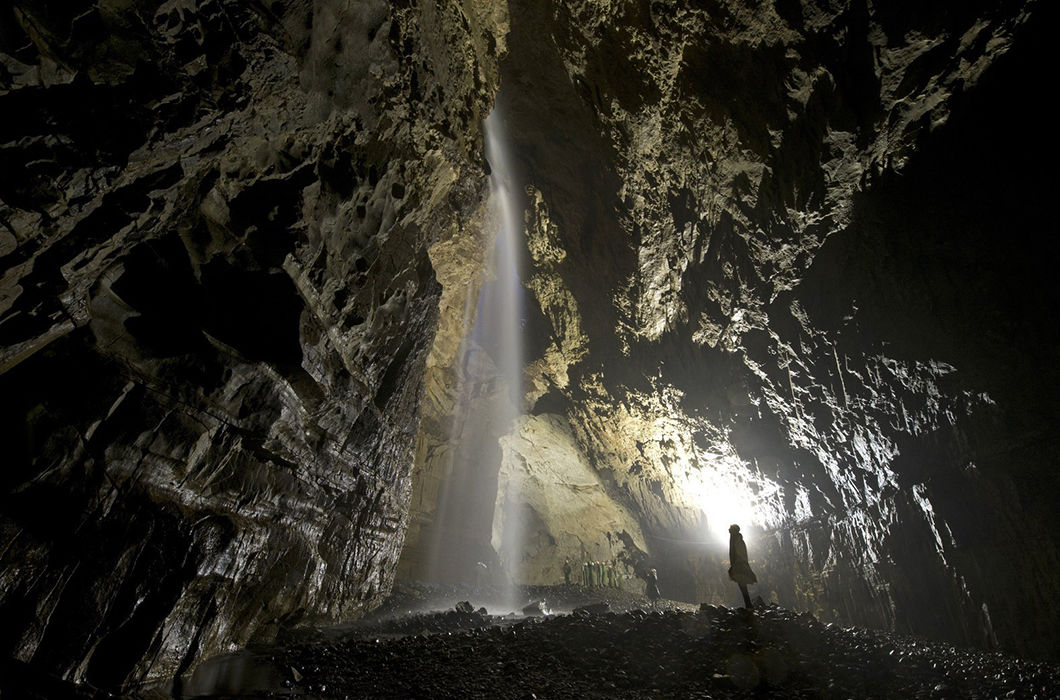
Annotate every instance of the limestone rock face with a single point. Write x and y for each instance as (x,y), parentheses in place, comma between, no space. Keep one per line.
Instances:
(218,295)
(553,503)
(772,247)
(780,272)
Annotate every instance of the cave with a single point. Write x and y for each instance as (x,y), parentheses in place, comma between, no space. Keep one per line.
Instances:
(310,308)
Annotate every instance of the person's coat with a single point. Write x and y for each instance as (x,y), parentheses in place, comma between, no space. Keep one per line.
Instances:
(739,569)
(652,589)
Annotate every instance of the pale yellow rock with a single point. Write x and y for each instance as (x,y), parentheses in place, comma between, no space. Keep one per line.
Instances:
(551,500)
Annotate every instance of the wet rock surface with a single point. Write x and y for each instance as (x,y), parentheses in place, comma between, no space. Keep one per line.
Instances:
(781,288)
(786,268)
(637,650)
(217,296)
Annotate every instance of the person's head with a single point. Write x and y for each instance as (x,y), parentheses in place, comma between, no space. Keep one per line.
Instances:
(734,529)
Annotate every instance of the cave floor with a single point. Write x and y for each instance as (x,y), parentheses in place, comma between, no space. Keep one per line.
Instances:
(633,649)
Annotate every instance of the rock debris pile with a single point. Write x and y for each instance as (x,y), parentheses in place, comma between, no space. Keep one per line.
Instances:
(664,651)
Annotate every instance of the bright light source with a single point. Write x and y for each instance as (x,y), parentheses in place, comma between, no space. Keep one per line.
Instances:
(708,481)
(725,497)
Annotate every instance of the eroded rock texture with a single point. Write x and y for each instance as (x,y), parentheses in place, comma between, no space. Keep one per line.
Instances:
(216,305)
(556,506)
(781,251)
(781,267)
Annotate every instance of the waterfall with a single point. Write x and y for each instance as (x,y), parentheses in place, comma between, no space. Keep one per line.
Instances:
(488,398)
(501,315)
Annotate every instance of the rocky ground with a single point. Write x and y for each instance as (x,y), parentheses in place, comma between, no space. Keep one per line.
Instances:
(608,644)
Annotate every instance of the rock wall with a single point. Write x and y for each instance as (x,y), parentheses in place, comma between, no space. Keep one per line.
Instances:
(552,506)
(781,254)
(218,295)
(782,266)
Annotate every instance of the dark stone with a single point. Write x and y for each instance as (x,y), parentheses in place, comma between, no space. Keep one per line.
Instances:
(194,457)
(592,609)
(800,239)
(538,607)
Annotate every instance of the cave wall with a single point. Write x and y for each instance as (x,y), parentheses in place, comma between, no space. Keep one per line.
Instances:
(552,506)
(781,270)
(782,256)
(218,295)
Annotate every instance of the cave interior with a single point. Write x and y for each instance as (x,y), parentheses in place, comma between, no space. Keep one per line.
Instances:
(786,264)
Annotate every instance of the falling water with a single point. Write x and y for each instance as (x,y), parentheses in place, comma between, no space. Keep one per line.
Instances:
(488,397)
(500,314)
(500,320)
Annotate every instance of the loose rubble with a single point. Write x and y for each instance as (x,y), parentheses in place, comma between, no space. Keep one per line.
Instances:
(631,650)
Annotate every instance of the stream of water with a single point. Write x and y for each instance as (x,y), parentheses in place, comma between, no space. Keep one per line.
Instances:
(465,546)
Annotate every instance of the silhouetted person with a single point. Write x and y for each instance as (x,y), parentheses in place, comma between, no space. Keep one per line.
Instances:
(652,589)
(739,569)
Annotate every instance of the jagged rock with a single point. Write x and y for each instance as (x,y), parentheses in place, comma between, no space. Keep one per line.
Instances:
(216,304)
(549,494)
(778,324)
(538,607)
(592,609)
(778,273)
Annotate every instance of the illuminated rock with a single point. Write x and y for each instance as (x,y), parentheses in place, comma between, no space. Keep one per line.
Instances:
(562,506)
(782,229)
(786,263)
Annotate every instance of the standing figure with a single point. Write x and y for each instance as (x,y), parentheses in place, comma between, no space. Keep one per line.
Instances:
(566,571)
(739,569)
(652,589)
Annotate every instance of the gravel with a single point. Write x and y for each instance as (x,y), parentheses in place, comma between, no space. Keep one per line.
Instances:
(604,643)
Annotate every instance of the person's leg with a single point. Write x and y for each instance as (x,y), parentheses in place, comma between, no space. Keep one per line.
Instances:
(746,595)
